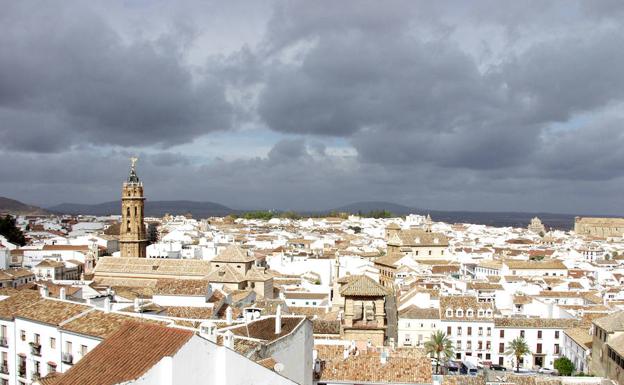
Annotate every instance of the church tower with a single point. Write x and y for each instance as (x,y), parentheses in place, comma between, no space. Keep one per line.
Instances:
(132,238)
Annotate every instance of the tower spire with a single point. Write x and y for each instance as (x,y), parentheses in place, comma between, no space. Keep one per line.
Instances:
(133,178)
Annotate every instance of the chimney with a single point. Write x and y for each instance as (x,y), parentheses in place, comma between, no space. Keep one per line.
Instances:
(107,304)
(228,339)
(137,305)
(62,294)
(278,320)
(228,315)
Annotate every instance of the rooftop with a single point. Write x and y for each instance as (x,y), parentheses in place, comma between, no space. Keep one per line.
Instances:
(127,354)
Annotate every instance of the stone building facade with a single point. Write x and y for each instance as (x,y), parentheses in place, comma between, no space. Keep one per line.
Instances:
(132,237)
(599,227)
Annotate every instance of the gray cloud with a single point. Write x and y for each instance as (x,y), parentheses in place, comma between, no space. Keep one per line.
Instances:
(494,106)
(66,65)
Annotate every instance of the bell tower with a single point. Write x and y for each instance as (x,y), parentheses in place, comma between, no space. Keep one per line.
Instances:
(132,238)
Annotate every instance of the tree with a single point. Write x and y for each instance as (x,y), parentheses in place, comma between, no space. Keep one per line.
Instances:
(564,366)
(518,348)
(439,345)
(10,231)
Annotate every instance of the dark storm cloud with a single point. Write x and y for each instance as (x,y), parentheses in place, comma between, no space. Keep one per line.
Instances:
(494,105)
(69,74)
(403,91)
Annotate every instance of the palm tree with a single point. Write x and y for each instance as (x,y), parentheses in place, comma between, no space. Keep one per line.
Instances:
(439,345)
(518,348)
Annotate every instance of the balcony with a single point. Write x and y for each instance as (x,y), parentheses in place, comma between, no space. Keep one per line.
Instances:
(35,349)
(3,342)
(67,358)
(4,369)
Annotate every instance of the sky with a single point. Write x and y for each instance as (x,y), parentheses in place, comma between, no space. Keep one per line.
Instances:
(447,105)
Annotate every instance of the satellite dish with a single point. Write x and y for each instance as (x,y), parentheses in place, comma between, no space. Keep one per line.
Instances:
(279,367)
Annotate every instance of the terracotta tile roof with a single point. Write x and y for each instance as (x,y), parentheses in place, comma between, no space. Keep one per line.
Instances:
(100,324)
(50,263)
(418,238)
(413,312)
(226,274)
(403,366)
(66,247)
(264,329)
(535,265)
(465,303)
(194,287)
(305,295)
(233,254)
(189,312)
(149,266)
(389,260)
(543,323)
(51,311)
(127,354)
(325,327)
(363,286)
(580,335)
(17,300)
(612,322)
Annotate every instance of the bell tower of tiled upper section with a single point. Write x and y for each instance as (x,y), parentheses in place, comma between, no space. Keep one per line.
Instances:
(132,238)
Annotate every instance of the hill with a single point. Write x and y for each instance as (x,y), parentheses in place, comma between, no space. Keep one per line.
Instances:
(14,207)
(152,208)
(366,207)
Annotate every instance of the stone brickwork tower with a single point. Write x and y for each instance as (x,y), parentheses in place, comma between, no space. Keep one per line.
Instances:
(132,237)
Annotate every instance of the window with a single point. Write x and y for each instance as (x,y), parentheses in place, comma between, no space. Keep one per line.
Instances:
(458,345)
(37,339)
(480,313)
(480,330)
(68,347)
(469,331)
(469,345)
(448,330)
(83,350)
(556,333)
(408,340)
(489,332)
(449,312)
(539,334)
(488,313)
(556,348)
(480,345)
(501,347)
(459,331)
(522,333)
(501,333)
(23,335)
(459,313)
(429,252)
(538,349)
(488,345)
(469,313)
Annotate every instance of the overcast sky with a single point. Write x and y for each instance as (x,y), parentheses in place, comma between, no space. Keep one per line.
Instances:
(479,105)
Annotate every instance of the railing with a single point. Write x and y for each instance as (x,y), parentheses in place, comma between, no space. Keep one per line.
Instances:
(67,358)
(4,369)
(35,349)
(3,342)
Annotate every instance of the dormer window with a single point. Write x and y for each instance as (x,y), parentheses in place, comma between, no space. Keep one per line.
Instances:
(449,312)
(469,313)
(436,240)
(488,313)
(459,313)
(480,313)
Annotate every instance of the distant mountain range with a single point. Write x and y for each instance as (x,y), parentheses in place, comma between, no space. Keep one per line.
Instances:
(152,208)
(11,206)
(208,209)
